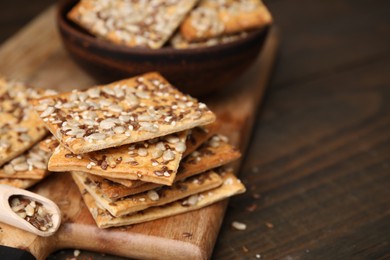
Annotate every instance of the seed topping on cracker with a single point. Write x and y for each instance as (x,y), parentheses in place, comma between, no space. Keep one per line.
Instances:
(32,164)
(132,22)
(214,18)
(20,127)
(207,157)
(153,197)
(105,219)
(155,160)
(123,112)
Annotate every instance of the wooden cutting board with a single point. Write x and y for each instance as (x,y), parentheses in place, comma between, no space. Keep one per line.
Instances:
(35,55)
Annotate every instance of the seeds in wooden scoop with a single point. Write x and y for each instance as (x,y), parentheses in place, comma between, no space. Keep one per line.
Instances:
(32,211)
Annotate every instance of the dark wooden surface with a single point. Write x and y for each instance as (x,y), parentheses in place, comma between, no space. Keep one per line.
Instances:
(318,166)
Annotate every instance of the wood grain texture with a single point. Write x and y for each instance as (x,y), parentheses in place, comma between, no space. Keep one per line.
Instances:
(318,165)
(49,66)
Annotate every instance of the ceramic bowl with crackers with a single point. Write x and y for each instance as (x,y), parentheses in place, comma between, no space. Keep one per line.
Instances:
(197,68)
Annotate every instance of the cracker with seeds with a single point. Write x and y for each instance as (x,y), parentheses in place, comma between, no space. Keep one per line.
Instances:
(230,187)
(20,127)
(215,18)
(153,197)
(30,165)
(120,182)
(123,112)
(131,23)
(155,160)
(49,144)
(212,154)
(196,137)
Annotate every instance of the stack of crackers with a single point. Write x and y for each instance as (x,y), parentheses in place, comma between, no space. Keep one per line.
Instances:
(23,154)
(181,24)
(138,149)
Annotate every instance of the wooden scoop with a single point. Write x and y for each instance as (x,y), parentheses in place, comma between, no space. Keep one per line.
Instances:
(10,217)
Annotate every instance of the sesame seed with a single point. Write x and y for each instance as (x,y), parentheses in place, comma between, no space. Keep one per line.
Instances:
(168,155)
(153,195)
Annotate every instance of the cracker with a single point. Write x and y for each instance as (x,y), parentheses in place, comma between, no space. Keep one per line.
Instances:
(231,186)
(209,156)
(151,198)
(131,23)
(20,127)
(19,183)
(198,135)
(155,160)
(49,144)
(123,112)
(214,153)
(122,182)
(195,138)
(213,18)
(30,165)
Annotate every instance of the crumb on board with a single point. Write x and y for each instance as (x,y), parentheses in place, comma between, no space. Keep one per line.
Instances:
(238,225)
(251,207)
(269,225)
(256,196)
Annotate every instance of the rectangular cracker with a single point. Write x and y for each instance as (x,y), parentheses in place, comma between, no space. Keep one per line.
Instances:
(151,198)
(209,157)
(196,137)
(49,144)
(213,18)
(155,160)
(123,112)
(20,127)
(231,186)
(30,165)
(131,23)
(120,182)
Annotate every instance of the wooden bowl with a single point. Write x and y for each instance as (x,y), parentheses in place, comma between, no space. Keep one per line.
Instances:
(196,71)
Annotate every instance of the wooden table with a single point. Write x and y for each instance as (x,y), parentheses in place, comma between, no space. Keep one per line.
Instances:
(318,166)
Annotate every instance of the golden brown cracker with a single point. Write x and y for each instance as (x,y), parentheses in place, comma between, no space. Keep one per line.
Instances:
(123,112)
(150,198)
(212,154)
(131,23)
(213,18)
(30,165)
(198,135)
(20,127)
(231,186)
(155,160)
